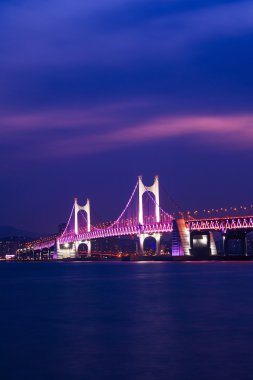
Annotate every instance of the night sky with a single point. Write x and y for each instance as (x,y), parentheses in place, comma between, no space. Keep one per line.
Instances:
(93,93)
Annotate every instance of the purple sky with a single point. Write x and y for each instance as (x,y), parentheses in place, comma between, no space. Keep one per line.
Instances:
(94,93)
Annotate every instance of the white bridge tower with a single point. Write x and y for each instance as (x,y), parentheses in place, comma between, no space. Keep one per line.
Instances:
(70,250)
(154,189)
(85,208)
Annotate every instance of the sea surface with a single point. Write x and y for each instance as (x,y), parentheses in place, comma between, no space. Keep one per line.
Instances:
(126,321)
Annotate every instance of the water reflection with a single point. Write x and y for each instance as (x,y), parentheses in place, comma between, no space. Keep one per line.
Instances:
(126,321)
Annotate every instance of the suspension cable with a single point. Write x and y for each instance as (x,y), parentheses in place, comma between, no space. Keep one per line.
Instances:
(154,200)
(180,210)
(68,221)
(117,220)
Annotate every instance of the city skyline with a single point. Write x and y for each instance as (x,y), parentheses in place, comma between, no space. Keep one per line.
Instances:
(93,95)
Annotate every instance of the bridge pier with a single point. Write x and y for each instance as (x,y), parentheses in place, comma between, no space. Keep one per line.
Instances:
(87,243)
(56,249)
(202,243)
(157,238)
(180,239)
(187,242)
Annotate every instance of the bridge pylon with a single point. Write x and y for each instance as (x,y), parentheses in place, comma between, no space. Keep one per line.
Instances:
(154,189)
(68,250)
(85,208)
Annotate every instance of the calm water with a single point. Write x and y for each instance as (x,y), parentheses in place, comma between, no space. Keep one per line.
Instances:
(126,321)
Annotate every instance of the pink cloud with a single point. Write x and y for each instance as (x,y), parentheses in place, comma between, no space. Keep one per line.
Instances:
(68,118)
(236,131)
(115,126)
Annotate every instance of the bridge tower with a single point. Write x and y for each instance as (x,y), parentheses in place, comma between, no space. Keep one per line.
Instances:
(154,189)
(85,208)
(70,250)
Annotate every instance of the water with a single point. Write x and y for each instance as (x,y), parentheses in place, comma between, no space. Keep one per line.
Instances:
(126,321)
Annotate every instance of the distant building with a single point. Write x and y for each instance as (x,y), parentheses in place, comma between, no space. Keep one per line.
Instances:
(9,245)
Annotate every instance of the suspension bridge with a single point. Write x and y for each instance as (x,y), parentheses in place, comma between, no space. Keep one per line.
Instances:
(144,217)
(140,217)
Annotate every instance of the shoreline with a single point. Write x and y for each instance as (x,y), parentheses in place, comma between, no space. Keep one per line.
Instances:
(139,259)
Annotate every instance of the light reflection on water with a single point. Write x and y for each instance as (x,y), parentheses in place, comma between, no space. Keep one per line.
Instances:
(126,320)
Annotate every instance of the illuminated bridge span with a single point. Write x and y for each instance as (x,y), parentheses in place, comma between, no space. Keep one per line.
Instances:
(149,229)
(234,228)
(221,224)
(144,217)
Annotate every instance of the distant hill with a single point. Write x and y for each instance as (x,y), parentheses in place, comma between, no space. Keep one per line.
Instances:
(6,231)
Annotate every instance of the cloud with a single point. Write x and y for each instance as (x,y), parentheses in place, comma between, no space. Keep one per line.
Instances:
(94,117)
(229,131)
(83,132)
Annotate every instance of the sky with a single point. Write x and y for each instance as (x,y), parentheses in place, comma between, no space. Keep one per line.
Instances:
(93,94)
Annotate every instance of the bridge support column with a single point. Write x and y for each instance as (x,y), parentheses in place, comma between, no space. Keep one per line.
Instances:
(202,243)
(223,244)
(158,243)
(56,250)
(141,240)
(180,238)
(143,237)
(87,243)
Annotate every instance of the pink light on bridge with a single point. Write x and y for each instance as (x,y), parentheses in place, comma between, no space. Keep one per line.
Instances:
(221,224)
